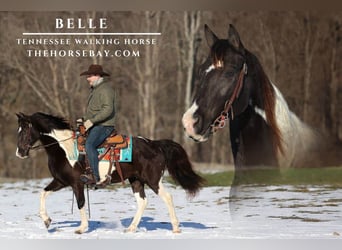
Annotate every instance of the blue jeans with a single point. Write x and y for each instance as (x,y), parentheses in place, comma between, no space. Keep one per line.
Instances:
(96,136)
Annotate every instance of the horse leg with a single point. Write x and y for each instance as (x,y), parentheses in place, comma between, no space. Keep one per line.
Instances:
(42,211)
(52,187)
(139,193)
(84,222)
(79,194)
(167,198)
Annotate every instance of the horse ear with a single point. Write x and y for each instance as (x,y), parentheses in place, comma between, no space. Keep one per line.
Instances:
(210,36)
(20,115)
(234,38)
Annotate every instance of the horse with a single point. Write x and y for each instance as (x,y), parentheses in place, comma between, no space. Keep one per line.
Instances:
(233,87)
(264,133)
(150,159)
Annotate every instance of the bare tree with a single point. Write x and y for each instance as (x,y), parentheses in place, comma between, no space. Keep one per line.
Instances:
(335,115)
(49,77)
(191,21)
(310,46)
(188,40)
(144,71)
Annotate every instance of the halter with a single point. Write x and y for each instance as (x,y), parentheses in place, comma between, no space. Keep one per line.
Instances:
(221,120)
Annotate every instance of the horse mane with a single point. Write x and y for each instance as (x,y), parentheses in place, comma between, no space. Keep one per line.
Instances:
(48,122)
(268,101)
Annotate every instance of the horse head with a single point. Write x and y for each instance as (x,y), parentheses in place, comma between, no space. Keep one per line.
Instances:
(223,90)
(27,135)
(40,126)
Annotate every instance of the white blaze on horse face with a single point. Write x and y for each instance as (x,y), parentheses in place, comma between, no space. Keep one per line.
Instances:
(17,151)
(210,68)
(19,155)
(189,121)
(219,64)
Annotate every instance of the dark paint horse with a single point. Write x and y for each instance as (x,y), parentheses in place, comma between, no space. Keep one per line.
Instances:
(149,161)
(234,88)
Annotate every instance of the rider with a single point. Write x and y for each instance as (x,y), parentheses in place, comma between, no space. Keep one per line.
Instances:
(99,118)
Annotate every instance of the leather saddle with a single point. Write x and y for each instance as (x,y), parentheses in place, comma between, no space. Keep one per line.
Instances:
(114,140)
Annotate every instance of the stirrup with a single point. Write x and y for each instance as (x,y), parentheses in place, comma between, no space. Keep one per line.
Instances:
(87,180)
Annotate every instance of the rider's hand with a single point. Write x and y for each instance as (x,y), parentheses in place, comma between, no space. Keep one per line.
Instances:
(88,124)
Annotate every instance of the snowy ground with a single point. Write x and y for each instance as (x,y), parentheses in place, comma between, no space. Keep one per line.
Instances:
(272,212)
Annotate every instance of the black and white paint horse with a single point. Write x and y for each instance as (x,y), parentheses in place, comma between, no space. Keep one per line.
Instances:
(233,86)
(149,161)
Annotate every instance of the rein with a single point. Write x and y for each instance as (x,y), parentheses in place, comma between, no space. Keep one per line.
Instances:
(221,120)
(50,144)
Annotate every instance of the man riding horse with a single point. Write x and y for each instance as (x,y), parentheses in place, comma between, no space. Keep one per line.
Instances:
(99,118)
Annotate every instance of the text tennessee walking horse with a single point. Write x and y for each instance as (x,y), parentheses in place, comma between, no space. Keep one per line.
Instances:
(149,161)
(233,86)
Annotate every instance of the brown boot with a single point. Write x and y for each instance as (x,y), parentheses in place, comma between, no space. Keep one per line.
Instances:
(88,179)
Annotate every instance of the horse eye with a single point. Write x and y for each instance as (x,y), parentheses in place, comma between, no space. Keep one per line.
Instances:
(229,74)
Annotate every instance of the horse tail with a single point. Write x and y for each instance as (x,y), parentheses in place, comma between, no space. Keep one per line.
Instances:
(180,167)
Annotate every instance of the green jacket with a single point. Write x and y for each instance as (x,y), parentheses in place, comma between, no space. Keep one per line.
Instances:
(101,105)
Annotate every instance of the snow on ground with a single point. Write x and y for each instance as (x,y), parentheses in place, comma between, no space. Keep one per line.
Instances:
(259,212)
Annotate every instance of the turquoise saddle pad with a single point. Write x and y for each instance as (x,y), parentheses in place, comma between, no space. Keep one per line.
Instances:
(125,153)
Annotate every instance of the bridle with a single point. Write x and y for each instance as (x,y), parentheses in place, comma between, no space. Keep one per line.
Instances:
(28,136)
(31,147)
(221,120)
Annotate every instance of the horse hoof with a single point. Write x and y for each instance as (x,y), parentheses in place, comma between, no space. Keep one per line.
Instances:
(47,222)
(79,231)
(129,230)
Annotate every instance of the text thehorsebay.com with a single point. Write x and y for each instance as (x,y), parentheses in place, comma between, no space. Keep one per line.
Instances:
(65,42)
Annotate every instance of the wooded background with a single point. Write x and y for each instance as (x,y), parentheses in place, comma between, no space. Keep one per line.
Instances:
(300,52)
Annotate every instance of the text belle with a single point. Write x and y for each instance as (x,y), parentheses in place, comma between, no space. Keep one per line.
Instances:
(79,23)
